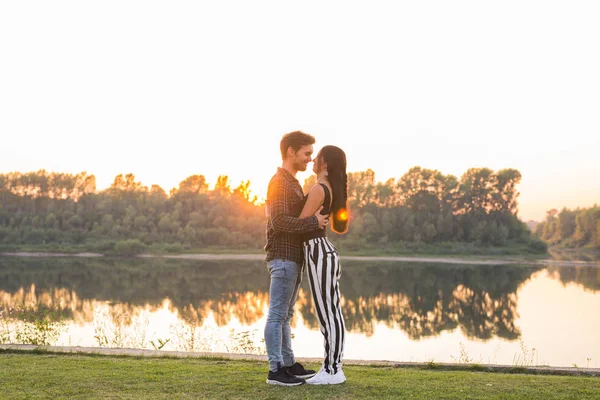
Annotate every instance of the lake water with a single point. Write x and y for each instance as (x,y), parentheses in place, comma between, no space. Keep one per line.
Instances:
(398,311)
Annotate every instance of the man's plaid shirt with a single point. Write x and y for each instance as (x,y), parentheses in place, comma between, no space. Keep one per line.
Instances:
(284,205)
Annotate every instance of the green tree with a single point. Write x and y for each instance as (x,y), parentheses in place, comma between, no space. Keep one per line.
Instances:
(193,184)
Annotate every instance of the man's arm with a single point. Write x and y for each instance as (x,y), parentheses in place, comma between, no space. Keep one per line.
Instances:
(279,209)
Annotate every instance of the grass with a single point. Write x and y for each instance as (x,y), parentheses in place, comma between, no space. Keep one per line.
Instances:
(55,376)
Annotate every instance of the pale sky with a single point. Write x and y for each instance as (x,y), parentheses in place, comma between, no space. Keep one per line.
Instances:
(169,89)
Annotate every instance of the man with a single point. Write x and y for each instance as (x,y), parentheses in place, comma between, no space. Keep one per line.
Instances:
(285,256)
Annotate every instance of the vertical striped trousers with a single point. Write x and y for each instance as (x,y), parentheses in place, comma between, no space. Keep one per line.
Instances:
(324,272)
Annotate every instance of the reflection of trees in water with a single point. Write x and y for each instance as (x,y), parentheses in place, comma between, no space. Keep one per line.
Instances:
(586,276)
(246,307)
(195,290)
(420,299)
(63,301)
(137,281)
(483,317)
(479,316)
(68,304)
(424,299)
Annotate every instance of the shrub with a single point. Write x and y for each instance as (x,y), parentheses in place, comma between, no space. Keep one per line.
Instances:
(538,245)
(129,247)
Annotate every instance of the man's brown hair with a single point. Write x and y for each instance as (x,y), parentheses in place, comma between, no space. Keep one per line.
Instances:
(295,140)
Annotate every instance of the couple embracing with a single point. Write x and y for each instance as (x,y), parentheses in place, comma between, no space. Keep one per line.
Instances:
(296,237)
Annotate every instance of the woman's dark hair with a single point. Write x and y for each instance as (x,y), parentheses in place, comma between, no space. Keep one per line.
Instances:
(336,174)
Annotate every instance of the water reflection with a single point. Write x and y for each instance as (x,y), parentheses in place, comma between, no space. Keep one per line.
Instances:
(587,277)
(421,300)
(425,300)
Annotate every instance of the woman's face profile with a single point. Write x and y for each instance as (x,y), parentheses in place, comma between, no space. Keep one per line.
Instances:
(319,165)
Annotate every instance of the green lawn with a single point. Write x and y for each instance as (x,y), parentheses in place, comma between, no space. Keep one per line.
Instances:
(53,376)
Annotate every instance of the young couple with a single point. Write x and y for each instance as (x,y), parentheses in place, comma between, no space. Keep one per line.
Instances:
(296,236)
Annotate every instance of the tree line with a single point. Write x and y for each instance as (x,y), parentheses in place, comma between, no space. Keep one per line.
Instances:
(578,228)
(422,207)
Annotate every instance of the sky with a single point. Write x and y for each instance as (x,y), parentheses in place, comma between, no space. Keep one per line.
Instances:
(165,90)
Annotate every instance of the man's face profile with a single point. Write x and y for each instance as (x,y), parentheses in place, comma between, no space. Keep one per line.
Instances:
(302,157)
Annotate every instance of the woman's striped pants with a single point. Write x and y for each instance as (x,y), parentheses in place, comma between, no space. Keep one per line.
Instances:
(324,272)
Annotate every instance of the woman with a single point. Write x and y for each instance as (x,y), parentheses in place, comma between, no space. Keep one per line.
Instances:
(323,261)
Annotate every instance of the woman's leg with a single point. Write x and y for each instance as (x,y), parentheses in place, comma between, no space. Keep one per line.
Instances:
(324,272)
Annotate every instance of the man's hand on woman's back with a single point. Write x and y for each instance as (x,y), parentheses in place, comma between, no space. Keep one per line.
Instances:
(323,219)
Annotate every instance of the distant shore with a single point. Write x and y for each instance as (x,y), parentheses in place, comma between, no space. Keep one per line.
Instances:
(444,259)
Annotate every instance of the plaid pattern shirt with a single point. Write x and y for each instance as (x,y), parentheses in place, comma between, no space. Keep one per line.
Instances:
(283,207)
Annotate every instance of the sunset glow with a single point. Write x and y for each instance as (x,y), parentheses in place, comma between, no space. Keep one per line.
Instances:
(165,91)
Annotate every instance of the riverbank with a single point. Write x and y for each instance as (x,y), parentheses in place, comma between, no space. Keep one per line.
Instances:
(131,247)
(42,374)
(449,259)
(111,351)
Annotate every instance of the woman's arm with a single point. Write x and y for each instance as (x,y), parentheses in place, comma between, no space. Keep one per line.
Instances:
(313,202)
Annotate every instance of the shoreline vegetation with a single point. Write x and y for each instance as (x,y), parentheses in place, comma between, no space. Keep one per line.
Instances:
(132,247)
(571,259)
(424,213)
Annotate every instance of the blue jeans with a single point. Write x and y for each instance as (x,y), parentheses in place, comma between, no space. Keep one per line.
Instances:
(286,277)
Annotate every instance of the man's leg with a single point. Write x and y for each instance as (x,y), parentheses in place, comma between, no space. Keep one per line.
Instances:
(284,274)
(286,342)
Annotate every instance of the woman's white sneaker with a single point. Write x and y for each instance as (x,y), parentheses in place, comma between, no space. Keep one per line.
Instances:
(323,378)
(337,378)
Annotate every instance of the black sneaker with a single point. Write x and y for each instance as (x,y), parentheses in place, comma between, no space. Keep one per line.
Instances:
(283,378)
(299,371)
